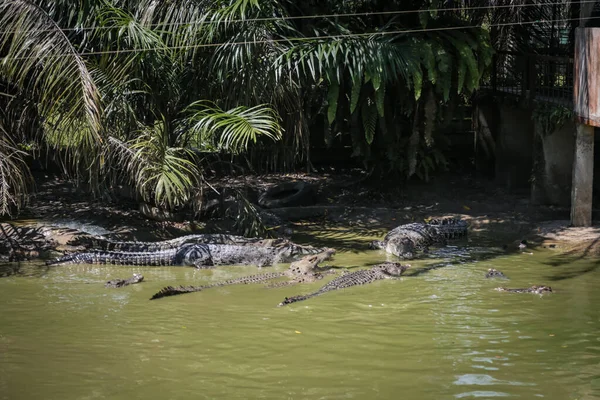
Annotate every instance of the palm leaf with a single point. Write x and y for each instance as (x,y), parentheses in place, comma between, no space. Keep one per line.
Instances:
(235,128)
(162,175)
(15,177)
(41,59)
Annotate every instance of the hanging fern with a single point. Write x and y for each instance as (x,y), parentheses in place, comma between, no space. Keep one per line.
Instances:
(355,94)
(379,100)
(369,119)
(428,60)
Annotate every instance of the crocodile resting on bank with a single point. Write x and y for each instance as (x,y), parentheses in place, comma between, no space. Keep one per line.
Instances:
(190,254)
(103,243)
(117,283)
(534,289)
(404,240)
(301,271)
(386,270)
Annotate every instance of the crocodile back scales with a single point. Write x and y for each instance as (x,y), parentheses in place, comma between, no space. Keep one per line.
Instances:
(217,239)
(300,271)
(187,254)
(355,278)
(405,240)
(450,228)
(173,291)
(134,246)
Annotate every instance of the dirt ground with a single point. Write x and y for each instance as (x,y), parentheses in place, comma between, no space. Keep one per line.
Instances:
(342,200)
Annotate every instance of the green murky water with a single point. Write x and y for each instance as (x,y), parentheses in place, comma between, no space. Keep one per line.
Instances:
(440,334)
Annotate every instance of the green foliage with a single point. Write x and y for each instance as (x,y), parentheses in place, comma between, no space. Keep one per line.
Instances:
(248,220)
(39,58)
(369,118)
(551,117)
(235,128)
(146,84)
(14,175)
(164,175)
(429,160)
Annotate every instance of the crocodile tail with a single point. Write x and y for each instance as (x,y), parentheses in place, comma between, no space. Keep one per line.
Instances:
(77,258)
(174,291)
(116,258)
(450,228)
(295,299)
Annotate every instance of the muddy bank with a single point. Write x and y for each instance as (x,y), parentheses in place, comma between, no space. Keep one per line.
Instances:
(59,213)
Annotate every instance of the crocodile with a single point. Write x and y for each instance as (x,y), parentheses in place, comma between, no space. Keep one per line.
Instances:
(304,270)
(534,289)
(388,270)
(189,254)
(404,240)
(494,273)
(104,243)
(117,283)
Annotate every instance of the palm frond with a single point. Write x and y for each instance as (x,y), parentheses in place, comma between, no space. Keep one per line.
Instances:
(15,177)
(235,128)
(162,174)
(377,58)
(39,58)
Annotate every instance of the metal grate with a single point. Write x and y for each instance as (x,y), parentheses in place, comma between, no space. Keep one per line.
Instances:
(553,79)
(533,77)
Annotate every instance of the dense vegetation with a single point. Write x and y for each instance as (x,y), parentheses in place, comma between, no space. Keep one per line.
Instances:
(137,91)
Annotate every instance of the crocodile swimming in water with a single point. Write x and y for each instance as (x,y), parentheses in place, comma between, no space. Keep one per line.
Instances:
(301,271)
(189,254)
(405,240)
(117,283)
(103,243)
(494,273)
(534,289)
(386,270)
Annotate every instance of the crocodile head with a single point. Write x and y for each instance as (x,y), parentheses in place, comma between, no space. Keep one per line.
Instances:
(307,264)
(541,289)
(393,269)
(494,273)
(137,278)
(400,247)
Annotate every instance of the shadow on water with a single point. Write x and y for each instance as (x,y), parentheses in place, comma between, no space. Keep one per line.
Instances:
(348,239)
(356,239)
(440,258)
(449,256)
(572,257)
(23,269)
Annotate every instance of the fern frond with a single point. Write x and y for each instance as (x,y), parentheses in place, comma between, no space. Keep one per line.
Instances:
(369,119)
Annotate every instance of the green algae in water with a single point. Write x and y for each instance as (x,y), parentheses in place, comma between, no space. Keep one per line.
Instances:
(439,333)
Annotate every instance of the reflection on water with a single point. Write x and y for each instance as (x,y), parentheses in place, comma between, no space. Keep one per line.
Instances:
(440,332)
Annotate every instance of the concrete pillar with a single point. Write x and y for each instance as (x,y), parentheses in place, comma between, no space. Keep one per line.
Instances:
(583,176)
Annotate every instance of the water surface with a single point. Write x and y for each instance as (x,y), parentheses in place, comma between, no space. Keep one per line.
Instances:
(441,332)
